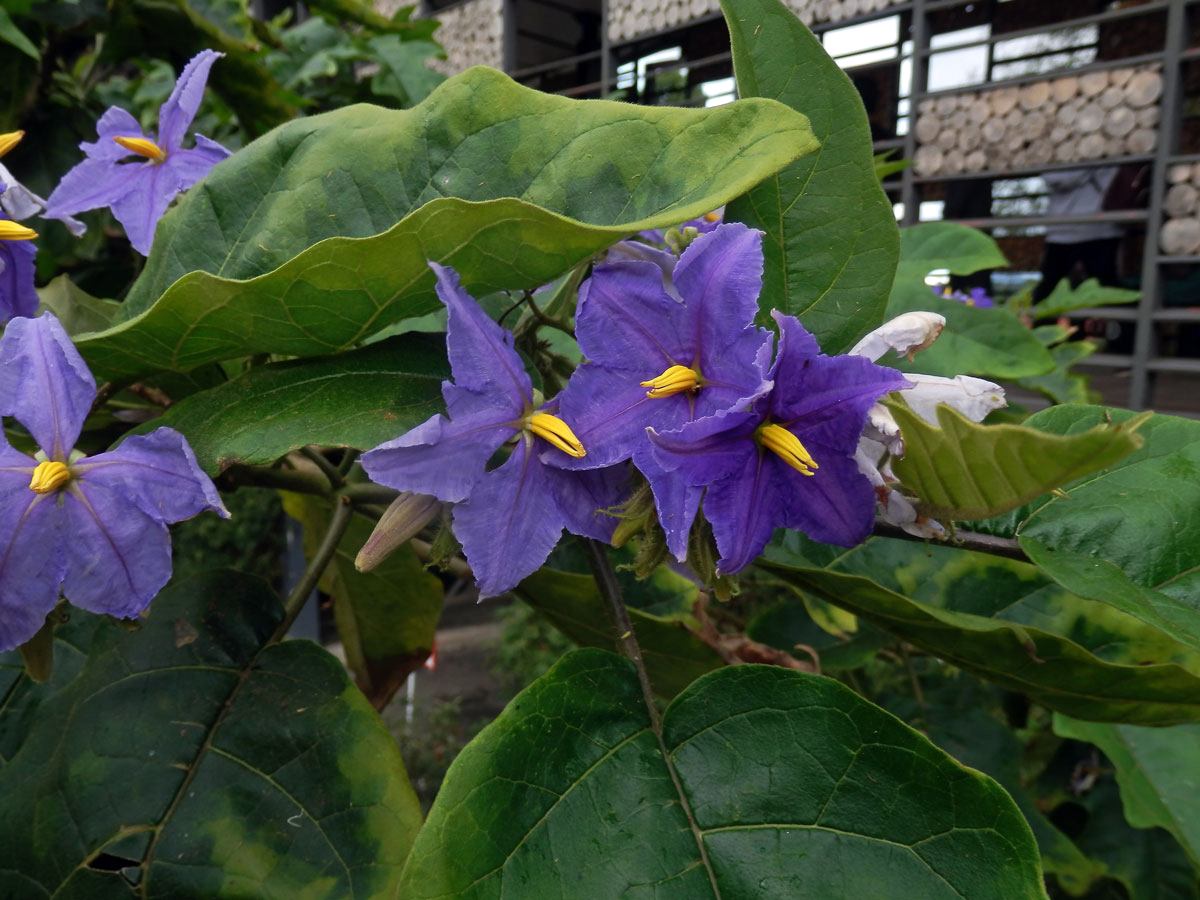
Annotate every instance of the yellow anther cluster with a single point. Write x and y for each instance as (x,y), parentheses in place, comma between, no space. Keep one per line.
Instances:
(49,477)
(787,447)
(675,380)
(12,231)
(557,432)
(10,140)
(143,147)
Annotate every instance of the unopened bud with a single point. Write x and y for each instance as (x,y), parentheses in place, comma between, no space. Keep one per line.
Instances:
(407,515)
(907,334)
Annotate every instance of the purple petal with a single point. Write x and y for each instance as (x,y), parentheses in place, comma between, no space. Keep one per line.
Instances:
(92,184)
(30,565)
(145,199)
(511,522)
(482,358)
(582,497)
(719,277)
(664,259)
(825,398)
(176,114)
(115,123)
(18,297)
(439,457)
(44,383)
(157,473)
(836,505)
(186,167)
(626,320)
(745,508)
(117,557)
(675,501)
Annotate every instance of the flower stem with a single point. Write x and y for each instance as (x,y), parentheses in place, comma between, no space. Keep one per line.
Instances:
(342,511)
(963,540)
(317,458)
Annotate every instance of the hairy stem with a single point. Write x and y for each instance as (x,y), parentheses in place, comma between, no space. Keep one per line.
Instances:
(318,459)
(963,540)
(342,511)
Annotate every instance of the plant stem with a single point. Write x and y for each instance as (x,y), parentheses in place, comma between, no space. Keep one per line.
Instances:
(342,511)
(349,458)
(284,479)
(317,458)
(606,581)
(962,540)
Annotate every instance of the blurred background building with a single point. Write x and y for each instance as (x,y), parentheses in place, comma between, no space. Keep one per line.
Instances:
(1069,130)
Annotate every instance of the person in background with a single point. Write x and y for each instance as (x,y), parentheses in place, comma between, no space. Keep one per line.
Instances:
(1086,250)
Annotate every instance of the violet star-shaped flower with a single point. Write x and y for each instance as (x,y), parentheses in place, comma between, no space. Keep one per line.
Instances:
(139,192)
(94,527)
(17,294)
(507,519)
(662,358)
(788,459)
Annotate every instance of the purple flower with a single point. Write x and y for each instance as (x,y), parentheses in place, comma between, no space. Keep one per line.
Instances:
(662,358)
(18,201)
(977,297)
(786,460)
(508,519)
(93,527)
(17,294)
(139,192)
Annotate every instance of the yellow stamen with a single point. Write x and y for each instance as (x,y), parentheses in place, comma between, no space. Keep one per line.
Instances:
(11,231)
(675,380)
(788,447)
(557,432)
(712,217)
(10,140)
(49,476)
(143,147)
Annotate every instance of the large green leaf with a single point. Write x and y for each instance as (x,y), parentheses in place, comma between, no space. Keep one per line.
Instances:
(386,618)
(317,235)
(962,470)
(1001,619)
(675,656)
(830,235)
(976,341)
(356,399)
(796,787)
(188,758)
(1158,771)
(1065,299)
(1129,535)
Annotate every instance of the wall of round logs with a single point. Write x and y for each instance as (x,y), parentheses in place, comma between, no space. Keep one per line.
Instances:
(1073,118)
(1180,233)
(472,34)
(633,18)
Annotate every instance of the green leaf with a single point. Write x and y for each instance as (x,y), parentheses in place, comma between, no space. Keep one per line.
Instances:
(1062,385)
(11,34)
(976,341)
(830,235)
(945,245)
(1128,536)
(675,656)
(402,73)
(218,765)
(962,470)
(1147,861)
(960,617)
(340,212)
(1064,299)
(386,618)
(1156,771)
(356,399)
(797,787)
(75,308)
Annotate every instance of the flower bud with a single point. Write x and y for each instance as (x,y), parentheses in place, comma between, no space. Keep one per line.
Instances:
(907,334)
(407,515)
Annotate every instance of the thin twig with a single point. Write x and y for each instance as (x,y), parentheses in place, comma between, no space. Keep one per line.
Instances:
(342,511)
(962,540)
(349,458)
(317,458)
(606,581)
(918,694)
